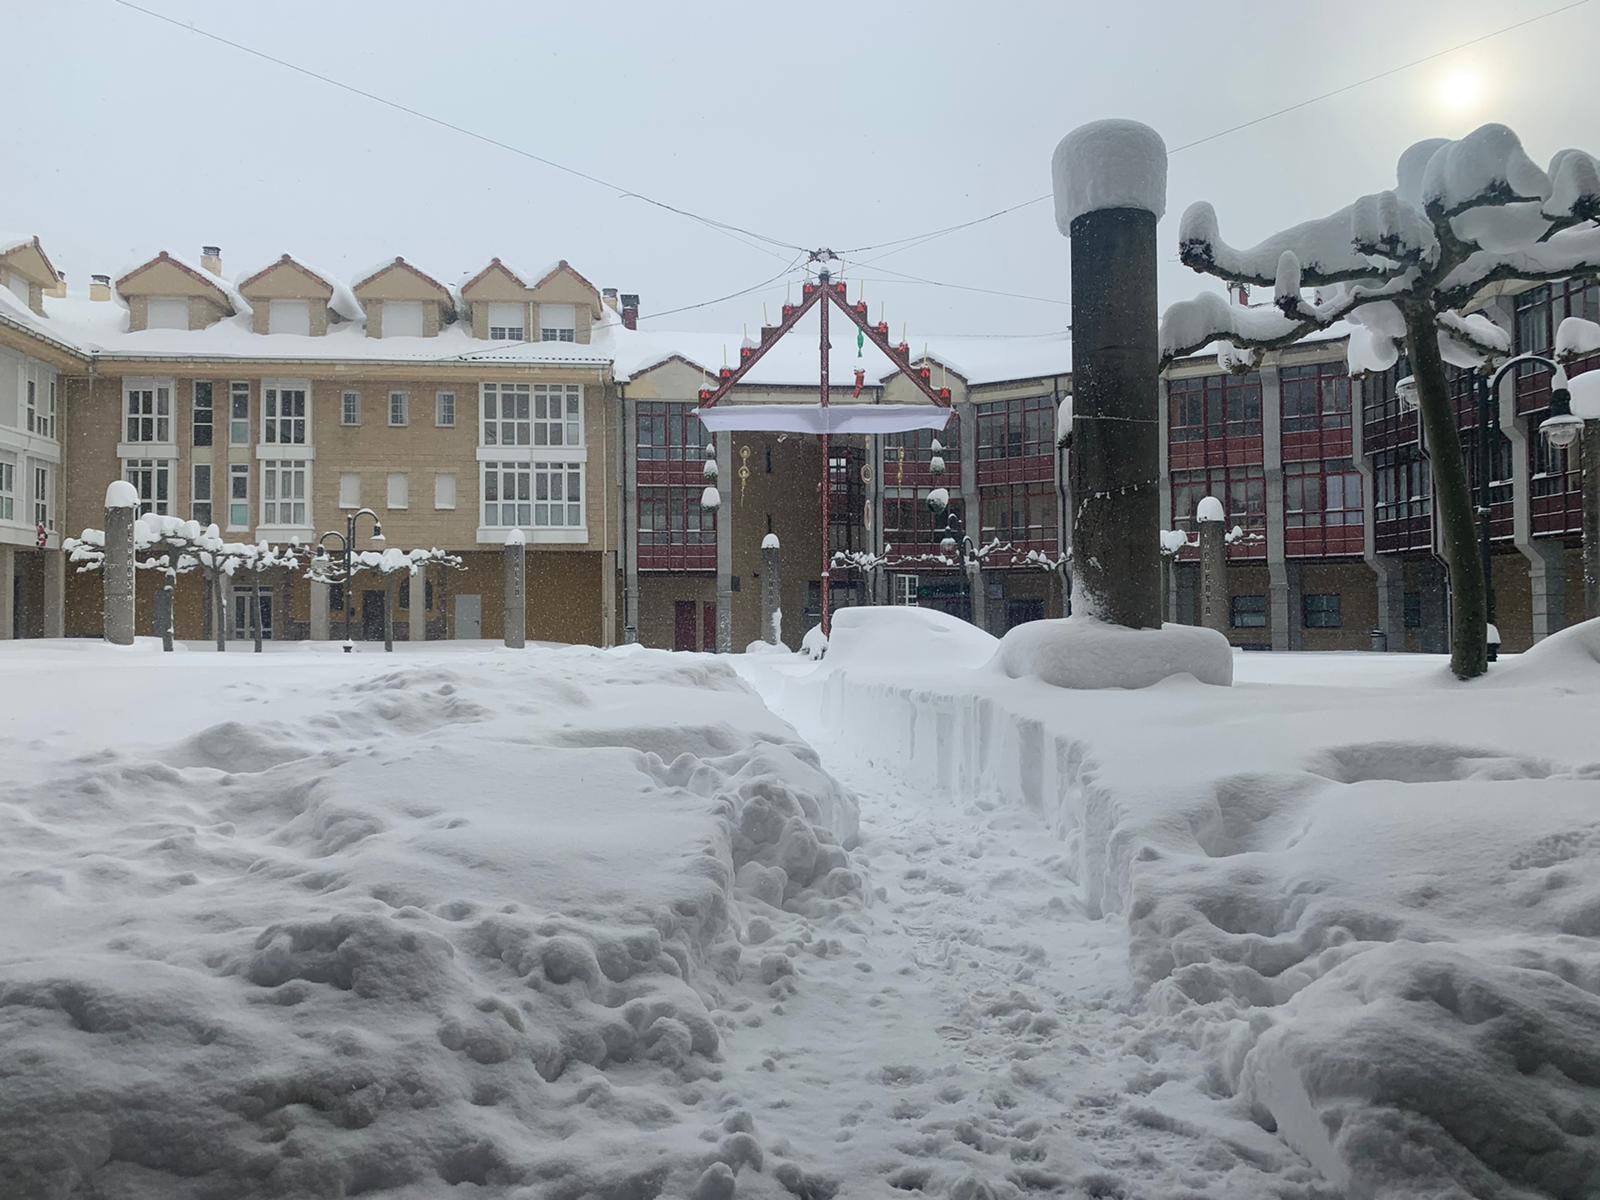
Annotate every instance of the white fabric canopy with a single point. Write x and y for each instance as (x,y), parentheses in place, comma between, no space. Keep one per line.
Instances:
(813,418)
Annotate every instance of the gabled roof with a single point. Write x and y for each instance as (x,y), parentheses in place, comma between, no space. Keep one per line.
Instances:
(563,267)
(400,264)
(230,297)
(284,260)
(494,264)
(10,245)
(341,300)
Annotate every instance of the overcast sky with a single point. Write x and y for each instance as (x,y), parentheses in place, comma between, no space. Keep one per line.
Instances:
(810,123)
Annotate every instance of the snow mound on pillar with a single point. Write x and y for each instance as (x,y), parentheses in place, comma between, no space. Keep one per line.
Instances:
(1082,652)
(1109,164)
(905,636)
(815,642)
(1570,658)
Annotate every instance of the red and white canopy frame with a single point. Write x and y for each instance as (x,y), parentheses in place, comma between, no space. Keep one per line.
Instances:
(822,419)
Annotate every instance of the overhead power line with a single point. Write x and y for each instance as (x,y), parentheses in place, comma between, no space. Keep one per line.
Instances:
(917,239)
(623,192)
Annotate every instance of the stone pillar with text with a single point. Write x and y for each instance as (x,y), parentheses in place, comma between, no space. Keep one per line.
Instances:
(516,590)
(117,570)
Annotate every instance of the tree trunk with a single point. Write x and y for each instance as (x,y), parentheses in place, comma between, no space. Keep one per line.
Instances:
(171,590)
(1452,498)
(255,613)
(389,586)
(219,603)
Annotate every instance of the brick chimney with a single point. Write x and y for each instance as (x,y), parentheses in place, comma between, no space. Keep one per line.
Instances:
(608,297)
(99,287)
(58,289)
(211,259)
(630,310)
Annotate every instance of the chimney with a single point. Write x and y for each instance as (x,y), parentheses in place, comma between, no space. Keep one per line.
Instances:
(211,259)
(58,289)
(608,297)
(99,287)
(630,310)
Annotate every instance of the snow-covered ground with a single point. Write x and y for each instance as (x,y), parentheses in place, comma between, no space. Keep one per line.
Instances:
(565,923)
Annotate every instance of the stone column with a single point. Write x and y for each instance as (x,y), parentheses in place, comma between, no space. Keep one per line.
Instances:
(725,532)
(771,592)
(1110,189)
(417,617)
(321,629)
(55,594)
(116,572)
(516,591)
(8,591)
(1390,576)
(1211,522)
(1591,519)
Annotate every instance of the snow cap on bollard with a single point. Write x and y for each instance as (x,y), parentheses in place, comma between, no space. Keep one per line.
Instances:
(769,542)
(122,494)
(1109,164)
(515,538)
(1209,509)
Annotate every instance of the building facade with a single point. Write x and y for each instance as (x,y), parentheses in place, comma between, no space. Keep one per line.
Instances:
(279,404)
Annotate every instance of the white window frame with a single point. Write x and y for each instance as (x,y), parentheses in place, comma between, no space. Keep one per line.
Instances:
(139,471)
(201,496)
(285,412)
(8,489)
(495,426)
(289,308)
(147,409)
(404,410)
(444,410)
(494,478)
(397,490)
(30,387)
(238,496)
(560,479)
(445,482)
(238,427)
(499,321)
(558,416)
(350,408)
(277,510)
(558,332)
(905,590)
(349,489)
(44,511)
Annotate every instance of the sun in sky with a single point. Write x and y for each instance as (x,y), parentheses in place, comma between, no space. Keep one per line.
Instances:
(1460,89)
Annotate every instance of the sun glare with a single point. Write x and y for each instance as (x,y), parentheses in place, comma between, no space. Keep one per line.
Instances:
(1460,90)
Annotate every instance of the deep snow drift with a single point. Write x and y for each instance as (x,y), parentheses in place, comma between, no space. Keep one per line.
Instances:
(1368,894)
(309,925)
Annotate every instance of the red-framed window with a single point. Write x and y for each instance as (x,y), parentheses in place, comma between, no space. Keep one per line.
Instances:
(1322,508)
(1316,397)
(1022,514)
(1501,522)
(1243,492)
(1402,500)
(675,532)
(911,527)
(1212,407)
(1385,422)
(1556,482)
(671,442)
(906,455)
(1539,312)
(1020,428)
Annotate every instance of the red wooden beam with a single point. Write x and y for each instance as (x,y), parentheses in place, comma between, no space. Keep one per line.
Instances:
(878,335)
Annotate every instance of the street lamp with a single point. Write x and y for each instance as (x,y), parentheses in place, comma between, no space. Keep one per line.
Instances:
(955,541)
(347,545)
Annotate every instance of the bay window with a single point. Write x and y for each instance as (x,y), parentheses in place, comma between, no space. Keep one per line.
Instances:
(557,414)
(533,495)
(43,510)
(283,492)
(152,479)
(8,490)
(284,412)
(506,408)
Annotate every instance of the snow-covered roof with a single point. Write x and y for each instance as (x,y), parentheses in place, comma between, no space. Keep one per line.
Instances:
(234,297)
(342,302)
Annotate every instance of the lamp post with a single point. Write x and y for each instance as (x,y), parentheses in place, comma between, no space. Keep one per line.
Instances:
(955,541)
(347,545)
(1562,429)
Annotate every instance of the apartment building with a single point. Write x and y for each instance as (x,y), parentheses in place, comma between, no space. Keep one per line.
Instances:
(279,403)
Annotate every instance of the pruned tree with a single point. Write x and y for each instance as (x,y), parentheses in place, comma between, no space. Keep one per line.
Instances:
(391,566)
(1401,266)
(270,564)
(174,547)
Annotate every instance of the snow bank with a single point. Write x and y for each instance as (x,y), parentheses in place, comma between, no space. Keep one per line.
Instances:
(334,926)
(1109,164)
(904,635)
(1585,391)
(1082,652)
(815,643)
(1367,896)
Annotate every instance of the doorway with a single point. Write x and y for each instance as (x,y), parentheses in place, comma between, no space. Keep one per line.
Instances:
(372,616)
(709,614)
(683,626)
(469,616)
(242,599)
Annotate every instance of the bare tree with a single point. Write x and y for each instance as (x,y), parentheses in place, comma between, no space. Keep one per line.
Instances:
(1400,266)
(390,566)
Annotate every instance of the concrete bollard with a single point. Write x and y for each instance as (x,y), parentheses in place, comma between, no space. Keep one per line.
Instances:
(122,508)
(1110,188)
(1212,523)
(516,590)
(771,591)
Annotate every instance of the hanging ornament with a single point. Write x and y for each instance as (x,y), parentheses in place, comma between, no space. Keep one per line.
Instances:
(744,471)
(861,382)
(711,499)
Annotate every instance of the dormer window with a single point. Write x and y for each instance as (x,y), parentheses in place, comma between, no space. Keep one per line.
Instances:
(16,284)
(558,323)
(167,312)
(508,322)
(402,318)
(289,316)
